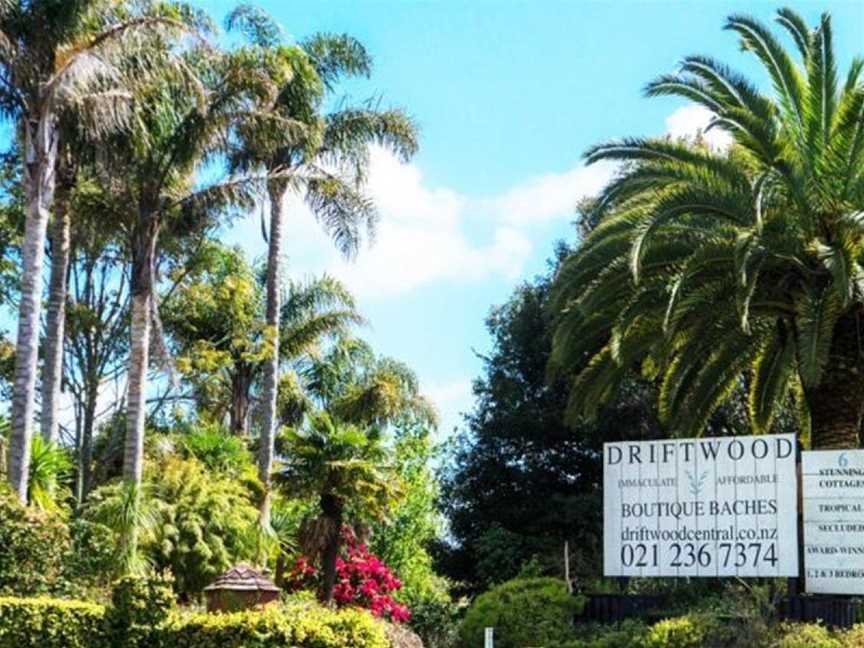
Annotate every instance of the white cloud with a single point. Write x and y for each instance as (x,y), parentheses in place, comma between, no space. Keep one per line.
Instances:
(421,237)
(547,197)
(690,120)
(430,234)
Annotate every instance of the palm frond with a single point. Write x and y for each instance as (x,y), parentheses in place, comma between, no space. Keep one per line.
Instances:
(343,211)
(787,80)
(255,24)
(797,28)
(773,369)
(816,317)
(335,56)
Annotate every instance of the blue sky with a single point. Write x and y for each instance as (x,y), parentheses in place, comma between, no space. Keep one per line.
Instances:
(508,96)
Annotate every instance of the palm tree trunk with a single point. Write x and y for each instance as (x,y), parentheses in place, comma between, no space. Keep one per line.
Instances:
(240,385)
(39,167)
(143,268)
(52,371)
(271,367)
(332,509)
(837,404)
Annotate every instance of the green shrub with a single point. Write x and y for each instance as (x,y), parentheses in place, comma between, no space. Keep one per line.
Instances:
(92,561)
(138,604)
(679,632)
(627,634)
(296,626)
(853,637)
(197,523)
(54,623)
(51,623)
(807,635)
(218,450)
(435,615)
(33,545)
(524,612)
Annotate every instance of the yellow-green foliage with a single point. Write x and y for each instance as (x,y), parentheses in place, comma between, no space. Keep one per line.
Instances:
(50,623)
(808,635)
(854,637)
(678,632)
(55,623)
(301,626)
(33,545)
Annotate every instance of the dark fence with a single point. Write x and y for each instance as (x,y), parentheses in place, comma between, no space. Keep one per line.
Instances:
(609,608)
(838,611)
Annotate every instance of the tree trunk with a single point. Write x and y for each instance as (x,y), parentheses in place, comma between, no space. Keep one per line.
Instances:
(39,167)
(240,385)
(837,404)
(52,370)
(332,509)
(143,268)
(279,574)
(271,367)
(86,454)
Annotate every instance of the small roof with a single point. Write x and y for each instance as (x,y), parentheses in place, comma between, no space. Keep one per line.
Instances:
(242,578)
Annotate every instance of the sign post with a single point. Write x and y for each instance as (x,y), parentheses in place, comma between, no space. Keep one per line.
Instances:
(833,490)
(489,641)
(724,506)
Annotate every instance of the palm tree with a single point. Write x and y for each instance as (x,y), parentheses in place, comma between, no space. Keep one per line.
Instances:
(55,59)
(74,151)
(216,318)
(55,319)
(327,167)
(713,269)
(184,121)
(357,387)
(347,469)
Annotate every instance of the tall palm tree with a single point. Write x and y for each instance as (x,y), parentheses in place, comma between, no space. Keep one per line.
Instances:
(348,470)
(327,167)
(56,58)
(55,318)
(711,269)
(185,118)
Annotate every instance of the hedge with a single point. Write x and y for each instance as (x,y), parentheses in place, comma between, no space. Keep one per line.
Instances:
(54,623)
(300,626)
(50,623)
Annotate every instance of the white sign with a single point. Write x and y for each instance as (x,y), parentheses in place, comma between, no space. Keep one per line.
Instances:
(833,485)
(722,506)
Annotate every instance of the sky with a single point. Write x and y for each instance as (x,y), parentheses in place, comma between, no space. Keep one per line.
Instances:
(508,96)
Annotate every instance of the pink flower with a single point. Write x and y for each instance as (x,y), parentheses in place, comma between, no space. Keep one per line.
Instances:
(362,580)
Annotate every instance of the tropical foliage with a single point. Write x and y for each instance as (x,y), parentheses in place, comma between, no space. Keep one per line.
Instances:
(345,468)
(711,268)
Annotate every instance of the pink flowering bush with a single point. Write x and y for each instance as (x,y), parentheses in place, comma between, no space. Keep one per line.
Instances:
(362,580)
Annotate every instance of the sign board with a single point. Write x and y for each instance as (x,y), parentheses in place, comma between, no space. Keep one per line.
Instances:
(833,491)
(724,506)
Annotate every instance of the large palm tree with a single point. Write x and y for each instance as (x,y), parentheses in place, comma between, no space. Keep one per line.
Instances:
(56,58)
(714,269)
(55,317)
(184,119)
(326,168)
